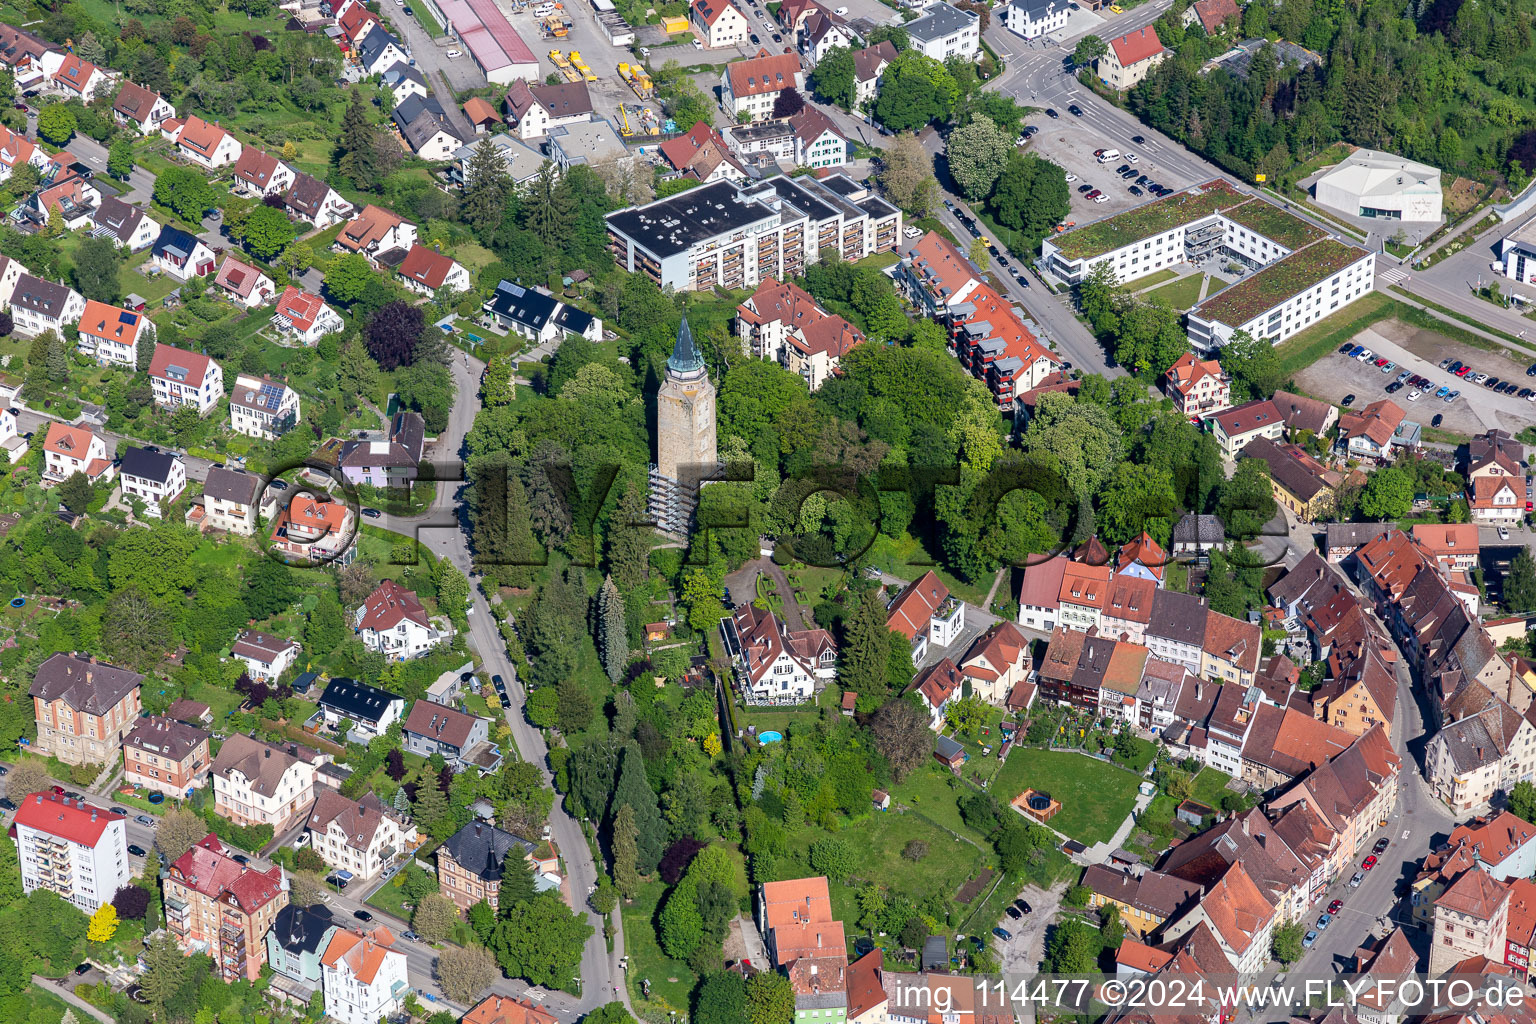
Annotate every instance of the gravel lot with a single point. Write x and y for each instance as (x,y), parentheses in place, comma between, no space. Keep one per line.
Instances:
(1333,376)
(1070,143)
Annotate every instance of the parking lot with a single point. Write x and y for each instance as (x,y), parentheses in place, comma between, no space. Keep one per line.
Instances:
(1069,143)
(1477,409)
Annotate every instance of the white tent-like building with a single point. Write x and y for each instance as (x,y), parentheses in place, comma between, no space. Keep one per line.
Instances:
(1369,183)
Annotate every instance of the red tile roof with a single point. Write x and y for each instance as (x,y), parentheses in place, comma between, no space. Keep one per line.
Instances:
(912,609)
(212,871)
(427,266)
(300,307)
(195,363)
(200,136)
(65,818)
(763,74)
(363,954)
(388,604)
(1136,46)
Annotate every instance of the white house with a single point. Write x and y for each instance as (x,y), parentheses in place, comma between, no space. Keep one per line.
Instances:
(1131,57)
(69,450)
(425,128)
(181,254)
(265,656)
(231,500)
(38,305)
(818,143)
(392,621)
(259,174)
(11,442)
(773,664)
(363,977)
(378,51)
(869,66)
(937,686)
(753,86)
(823,31)
(403,82)
(924,613)
(155,478)
(207,145)
(1498,499)
(179,377)
(1035,18)
(80,79)
(310,199)
(72,848)
(111,334)
(375,231)
(141,109)
(262,407)
(364,711)
(538,316)
(361,837)
(255,783)
(426,270)
(304,316)
(945,31)
(1286,296)
(719,23)
(244,283)
(10,276)
(128,226)
(532,110)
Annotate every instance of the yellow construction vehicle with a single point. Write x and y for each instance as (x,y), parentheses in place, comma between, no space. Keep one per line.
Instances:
(635,77)
(556,27)
(558,59)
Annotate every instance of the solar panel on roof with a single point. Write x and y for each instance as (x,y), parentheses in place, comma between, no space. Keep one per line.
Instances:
(126,317)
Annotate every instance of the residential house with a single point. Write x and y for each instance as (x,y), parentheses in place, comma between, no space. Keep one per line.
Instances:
(1362,696)
(1471,920)
(217,905)
(392,621)
(462,739)
(1084,591)
(936,686)
(314,530)
(1234,428)
(533,109)
(10,276)
(1238,915)
(83,708)
(179,377)
(703,153)
(16,149)
(591,144)
(389,462)
(243,283)
(753,86)
(266,657)
(494,1009)
(1040,593)
(403,82)
(1130,58)
(1500,844)
(311,200)
(1211,14)
(1281,876)
(795,919)
(69,450)
(998,661)
(376,231)
(255,783)
(534,314)
(1486,752)
(127,226)
(166,756)
(718,23)
(182,255)
(818,142)
(259,174)
(69,199)
(1176,632)
(377,51)
(363,977)
(425,270)
(425,128)
(141,109)
(482,116)
(263,407)
(12,443)
(1301,413)
(521,161)
(1300,483)
(297,939)
(110,334)
(869,66)
(1146,901)
(1035,18)
(30,58)
(206,145)
(156,478)
(230,500)
(81,80)
(945,31)
(471,862)
(1369,433)
(38,306)
(1194,536)
(1352,791)
(924,612)
(1454,547)
(1342,539)
(1142,557)
(1498,500)
(1127,608)
(71,848)
(361,837)
(1198,387)
(304,316)
(775,665)
(781,321)
(823,32)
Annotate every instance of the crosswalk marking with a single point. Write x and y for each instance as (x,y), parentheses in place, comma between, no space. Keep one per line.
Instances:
(1394,276)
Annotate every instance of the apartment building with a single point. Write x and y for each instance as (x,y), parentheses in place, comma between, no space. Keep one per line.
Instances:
(361,836)
(366,711)
(1287,296)
(718,23)
(780,321)
(255,783)
(1131,57)
(925,613)
(166,756)
(1035,18)
(363,976)
(110,334)
(1471,920)
(83,708)
(945,32)
(231,500)
(262,407)
(71,848)
(750,88)
(217,905)
(1235,428)
(469,864)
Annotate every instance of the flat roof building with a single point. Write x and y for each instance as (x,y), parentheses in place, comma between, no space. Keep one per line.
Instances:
(1370,183)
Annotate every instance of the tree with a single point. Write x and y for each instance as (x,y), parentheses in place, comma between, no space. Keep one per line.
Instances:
(1520,582)
(306,888)
(1388,494)
(1285,942)
(770,999)
(1247,500)
(1138,498)
(914,91)
(358,154)
(625,875)
(1254,366)
(392,334)
(166,968)
(978,154)
(120,157)
(185,191)
(629,541)
(865,653)
(721,999)
(435,916)
(788,103)
(832,857)
(466,971)
(609,1013)
(452,588)
(1089,49)
(1031,196)
(517,880)
(680,926)
(486,187)
(612,631)
(347,276)
(76,493)
(633,790)
(297,256)
(905,173)
(900,733)
(56,123)
(132,902)
(26,778)
(835,78)
(1072,949)
(103,924)
(178,830)
(541,940)
(270,588)
(1522,801)
(96,264)
(981,255)
(267,230)
(306,859)
(326,626)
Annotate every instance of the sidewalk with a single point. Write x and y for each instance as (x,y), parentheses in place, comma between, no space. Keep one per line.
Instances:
(63,992)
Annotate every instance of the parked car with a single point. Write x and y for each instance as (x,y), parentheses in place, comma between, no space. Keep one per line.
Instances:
(410,936)
(362,915)
(1404,376)
(1381,845)
(1135,190)
(137,851)
(1444,363)
(371,513)
(1349,400)
(1022,905)
(1439,418)
(1415,395)
(1308,940)
(82,969)
(1503,533)
(1394,387)
(1014,913)
(1323,922)
(1354,882)
(7,804)
(1368,863)
(1333,908)
(144,819)
(1051,113)
(1452,396)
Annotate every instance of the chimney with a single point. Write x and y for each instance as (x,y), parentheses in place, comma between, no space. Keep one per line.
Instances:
(93,814)
(1245,826)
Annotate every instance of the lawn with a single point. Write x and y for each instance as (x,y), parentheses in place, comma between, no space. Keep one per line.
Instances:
(1211,786)
(779,720)
(390,898)
(934,792)
(1141,284)
(1095,797)
(1181,294)
(671,980)
(1307,347)
(905,558)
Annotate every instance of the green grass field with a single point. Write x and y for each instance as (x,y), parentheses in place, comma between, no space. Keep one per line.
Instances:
(935,793)
(1095,797)
(671,980)
(1303,349)
(1181,294)
(1142,284)
(1211,786)
(905,557)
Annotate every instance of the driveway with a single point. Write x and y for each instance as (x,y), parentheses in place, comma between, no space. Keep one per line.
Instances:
(1022,953)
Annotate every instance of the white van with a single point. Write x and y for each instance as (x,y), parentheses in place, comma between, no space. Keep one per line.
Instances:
(1108,155)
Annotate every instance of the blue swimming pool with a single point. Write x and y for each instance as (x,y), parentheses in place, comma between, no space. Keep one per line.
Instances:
(769,737)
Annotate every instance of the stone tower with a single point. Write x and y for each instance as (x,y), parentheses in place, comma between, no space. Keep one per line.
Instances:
(685,435)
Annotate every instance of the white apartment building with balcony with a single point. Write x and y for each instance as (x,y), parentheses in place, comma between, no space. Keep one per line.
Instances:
(72,848)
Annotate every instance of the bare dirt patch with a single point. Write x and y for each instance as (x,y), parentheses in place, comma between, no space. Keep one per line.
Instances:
(1460,196)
